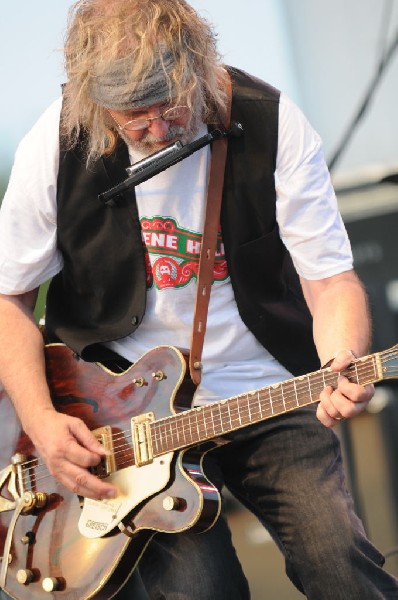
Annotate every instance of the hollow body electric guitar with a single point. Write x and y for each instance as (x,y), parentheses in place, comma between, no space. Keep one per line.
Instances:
(54,544)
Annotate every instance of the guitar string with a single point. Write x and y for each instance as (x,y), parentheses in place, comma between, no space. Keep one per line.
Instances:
(240,413)
(249,397)
(34,461)
(299,390)
(256,396)
(236,415)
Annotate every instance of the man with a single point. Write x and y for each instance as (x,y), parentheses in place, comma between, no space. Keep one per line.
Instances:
(142,74)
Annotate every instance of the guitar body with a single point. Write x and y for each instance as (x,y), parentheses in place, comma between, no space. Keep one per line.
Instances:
(56,545)
(171,495)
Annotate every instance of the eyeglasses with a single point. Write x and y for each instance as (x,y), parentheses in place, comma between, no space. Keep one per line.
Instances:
(171,114)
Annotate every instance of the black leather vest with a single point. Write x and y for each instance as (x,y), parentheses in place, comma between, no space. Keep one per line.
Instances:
(100,293)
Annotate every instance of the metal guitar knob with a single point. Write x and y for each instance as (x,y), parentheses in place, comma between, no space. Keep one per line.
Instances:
(51,584)
(171,503)
(24,576)
(159,375)
(28,538)
(33,500)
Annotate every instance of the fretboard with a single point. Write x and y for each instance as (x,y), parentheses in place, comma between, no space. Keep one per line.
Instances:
(204,423)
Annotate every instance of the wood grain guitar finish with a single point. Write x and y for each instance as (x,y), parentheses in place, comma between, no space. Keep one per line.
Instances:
(54,544)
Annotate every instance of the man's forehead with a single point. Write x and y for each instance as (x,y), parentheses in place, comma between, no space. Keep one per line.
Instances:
(131,112)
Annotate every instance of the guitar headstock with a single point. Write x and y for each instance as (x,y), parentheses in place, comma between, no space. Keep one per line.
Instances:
(389,361)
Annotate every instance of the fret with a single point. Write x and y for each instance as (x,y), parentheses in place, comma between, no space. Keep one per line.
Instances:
(174,435)
(255,411)
(216,418)
(249,409)
(181,421)
(270,400)
(238,412)
(159,442)
(197,424)
(295,393)
(169,434)
(154,439)
(372,363)
(375,372)
(289,392)
(184,433)
(208,422)
(162,437)
(260,404)
(190,428)
(229,409)
(283,395)
(235,403)
(356,372)
(216,411)
(186,428)
(205,425)
(309,387)
(220,407)
(223,416)
(277,387)
(229,415)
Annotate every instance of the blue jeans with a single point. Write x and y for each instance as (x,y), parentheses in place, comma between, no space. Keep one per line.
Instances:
(288,472)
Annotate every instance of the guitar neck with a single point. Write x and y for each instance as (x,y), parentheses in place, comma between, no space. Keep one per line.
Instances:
(207,422)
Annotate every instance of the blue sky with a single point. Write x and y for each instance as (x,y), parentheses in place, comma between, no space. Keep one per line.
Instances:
(322,54)
(31,69)
(31,65)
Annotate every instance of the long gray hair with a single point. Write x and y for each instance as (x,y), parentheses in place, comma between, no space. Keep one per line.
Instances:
(102,32)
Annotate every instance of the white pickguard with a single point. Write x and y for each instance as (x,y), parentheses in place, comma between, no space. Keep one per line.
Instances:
(135,484)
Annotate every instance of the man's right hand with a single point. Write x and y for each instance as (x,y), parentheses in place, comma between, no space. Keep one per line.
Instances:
(65,443)
(69,449)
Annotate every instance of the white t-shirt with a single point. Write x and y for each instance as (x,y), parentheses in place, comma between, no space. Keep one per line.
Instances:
(171,209)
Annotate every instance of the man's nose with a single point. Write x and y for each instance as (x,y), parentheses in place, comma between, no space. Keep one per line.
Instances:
(159,127)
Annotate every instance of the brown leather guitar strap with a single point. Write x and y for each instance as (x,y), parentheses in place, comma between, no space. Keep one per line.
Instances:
(209,242)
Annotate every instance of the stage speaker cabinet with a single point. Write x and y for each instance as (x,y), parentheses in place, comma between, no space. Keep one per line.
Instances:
(370,214)
(370,441)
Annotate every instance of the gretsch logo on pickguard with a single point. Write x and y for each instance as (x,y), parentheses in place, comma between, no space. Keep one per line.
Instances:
(96,525)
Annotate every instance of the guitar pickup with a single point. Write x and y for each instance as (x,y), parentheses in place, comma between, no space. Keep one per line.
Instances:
(142,441)
(107,464)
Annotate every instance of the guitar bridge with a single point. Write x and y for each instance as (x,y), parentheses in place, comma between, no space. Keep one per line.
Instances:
(107,464)
(142,441)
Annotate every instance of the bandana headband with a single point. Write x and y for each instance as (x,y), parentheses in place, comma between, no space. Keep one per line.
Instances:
(113,89)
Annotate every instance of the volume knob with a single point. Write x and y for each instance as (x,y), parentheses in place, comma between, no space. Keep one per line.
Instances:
(24,576)
(171,503)
(51,584)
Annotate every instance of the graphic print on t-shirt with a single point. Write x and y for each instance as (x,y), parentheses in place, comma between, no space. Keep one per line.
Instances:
(172,253)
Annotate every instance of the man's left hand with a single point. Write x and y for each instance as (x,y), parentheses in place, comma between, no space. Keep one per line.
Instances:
(348,399)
